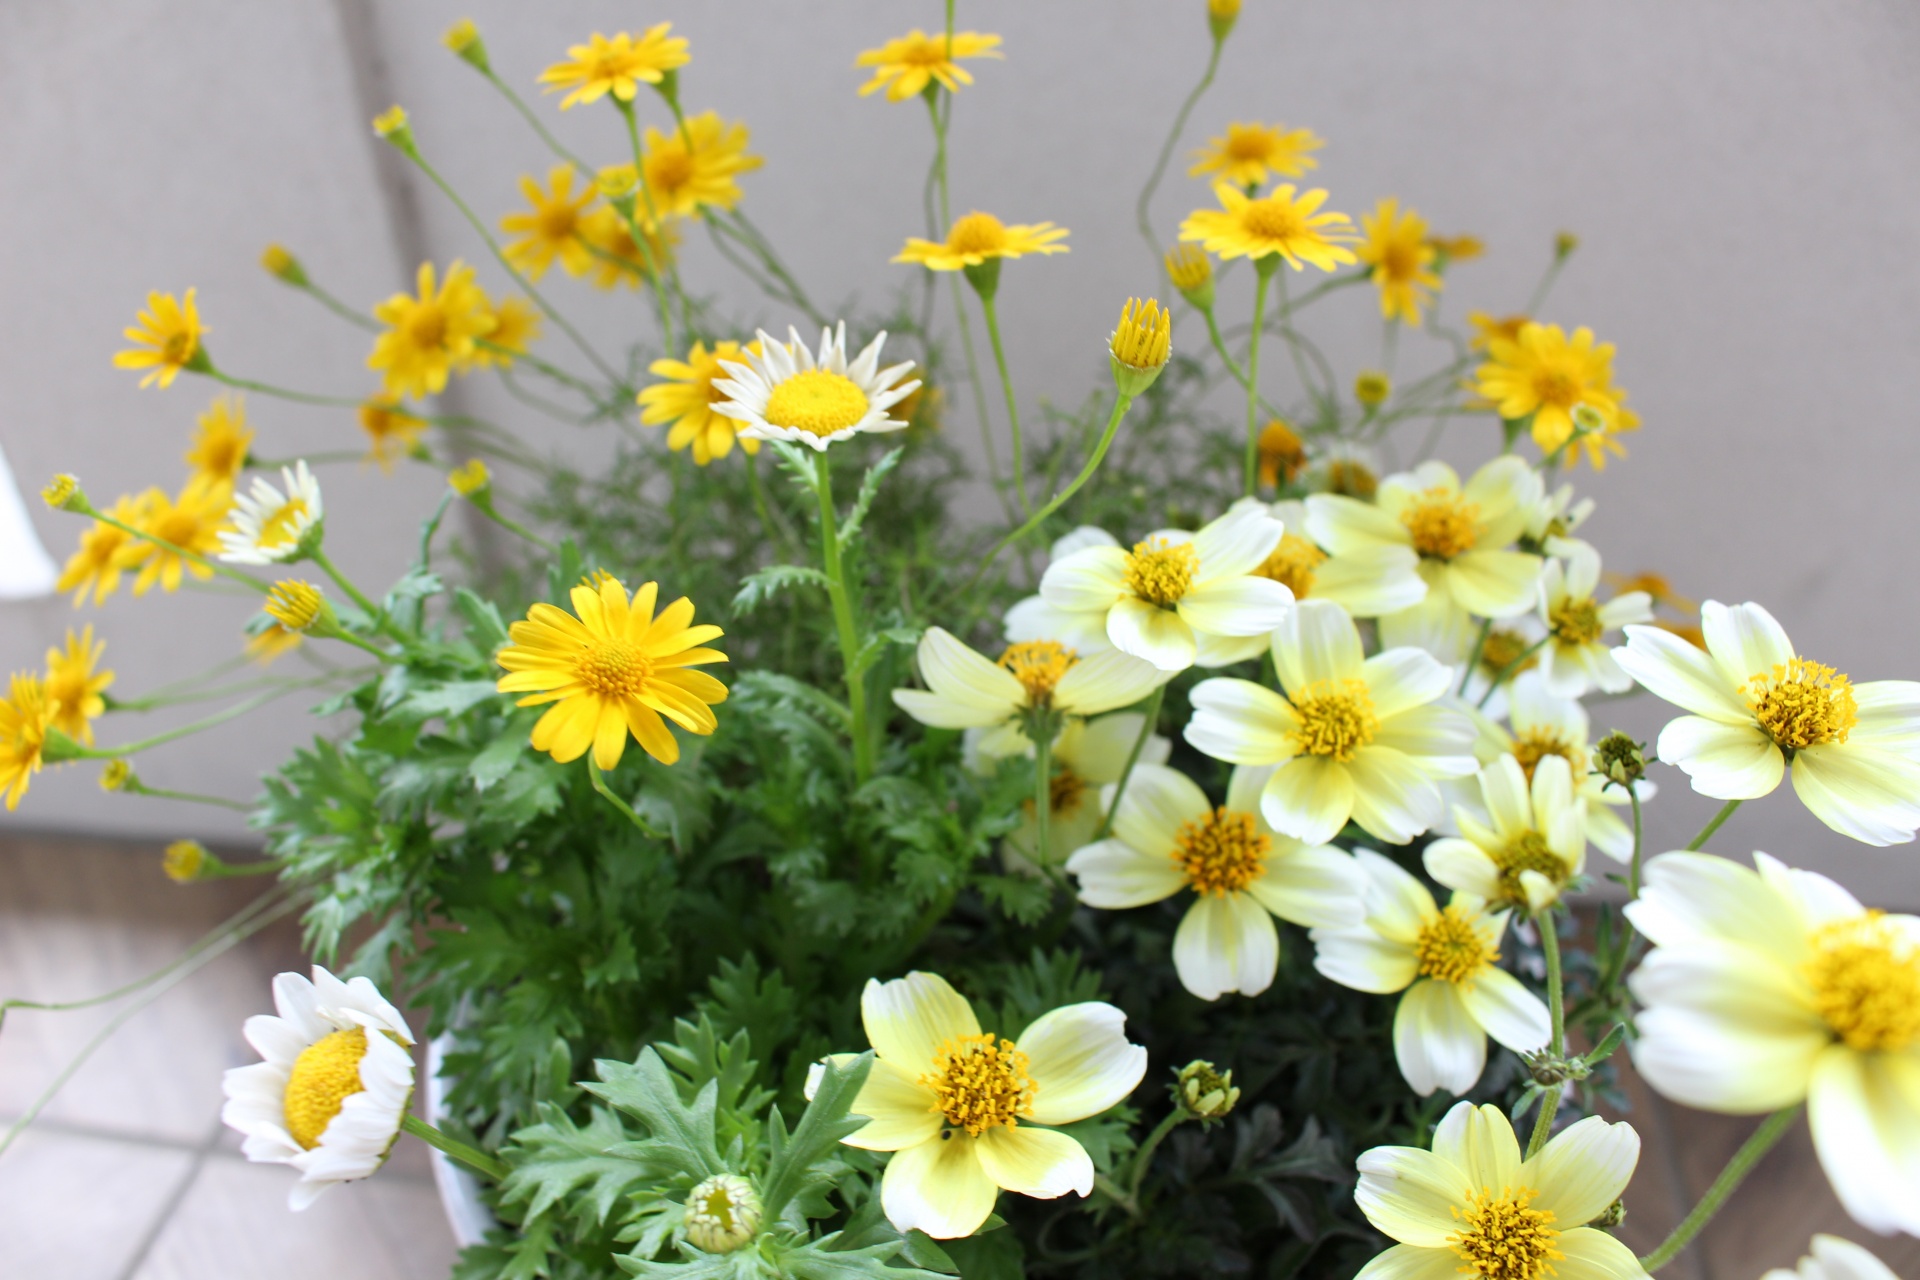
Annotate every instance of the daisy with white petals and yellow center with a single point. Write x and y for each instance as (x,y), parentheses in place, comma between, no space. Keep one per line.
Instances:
(1771,986)
(962,1111)
(967,691)
(1759,708)
(1366,581)
(271,527)
(1522,848)
(335,1085)
(1462,534)
(787,392)
(1473,1207)
(1354,737)
(1167,836)
(1178,598)
(1831,1258)
(1447,963)
(1576,657)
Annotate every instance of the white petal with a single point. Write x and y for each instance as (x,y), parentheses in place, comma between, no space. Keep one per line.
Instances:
(1311,797)
(1398,905)
(1089,580)
(1245,606)
(1158,803)
(1889,716)
(1670,668)
(1595,1255)
(1370,581)
(1437,1044)
(1343,525)
(909,1018)
(1236,543)
(1506,1010)
(1869,794)
(1035,1162)
(1081,1061)
(1101,754)
(1241,722)
(1725,761)
(1463,865)
(1316,641)
(1840,1259)
(1115,876)
(938,1187)
(1494,584)
(1480,1142)
(1363,960)
(1160,636)
(1583,1169)
(1315,886)
(1400,680)
(1688,895)
(1393,798)
(1105,681)
(1744,640)
(1412,1195)
(1717,1064)
(1411,1262)
(1865,1114)
(1226,942)
(900,1110)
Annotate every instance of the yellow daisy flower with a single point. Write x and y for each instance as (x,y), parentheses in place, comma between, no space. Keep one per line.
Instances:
(170,331)
(1248,154)
(1402,258)
(612,670)
(25,716)
(270,642)
(617,259)
(191,522)
(97,564)
(695,166)
(905,66)
(687,397)
(516,323)
(979,236)
(1488,327)
(72,689)
(618,66)
(393,431)
(432,334)
(1542,373)
(220,445)
(550,228)
(1279,222)
(1282,455)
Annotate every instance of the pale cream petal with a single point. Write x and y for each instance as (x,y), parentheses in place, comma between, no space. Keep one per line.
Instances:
(1503,484)
(1718,1064)
(1345,525)
(1370,581)
(1159,636)
(1316,886)
(1090,580)
(1215,651)
(1463,865)
(960,675)
(1595,1255)
(1506,1010)
(1244,606)
(938,711)
(1158,803)
(1035,1162)
(1725,761)
(1671,668)
(1817,898)
(908,1019)
(1400,680)
(1503,788)
(1436,1042)
(1889,716)
(1744,640)
(1864,1111)
(1394,799)
(1081,1061)
(1235,544)
(1480,1142)
(1398,905)
(900,1111)
(1317,642)
(1840,1259)
(1411,1262)
(1226,942)
(1241,722)
(1583,1169)
(1860,791)
(1745,985)
(938,1187)
(1101,755)
(1686,895)
(1115,876)
(1104,681)
(1363,960)
(1440,738)
(1311,797)
(1412,1195)
(1494,584)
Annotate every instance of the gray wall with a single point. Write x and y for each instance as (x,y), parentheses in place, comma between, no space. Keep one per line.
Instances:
(1742,176)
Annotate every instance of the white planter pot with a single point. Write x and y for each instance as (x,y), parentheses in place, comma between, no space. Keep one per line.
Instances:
(459,1189)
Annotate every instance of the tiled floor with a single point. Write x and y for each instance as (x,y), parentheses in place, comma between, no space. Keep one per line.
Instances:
(128,1174)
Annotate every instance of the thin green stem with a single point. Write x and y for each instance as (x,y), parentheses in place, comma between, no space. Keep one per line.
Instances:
(526,113)
(1043,794)
(1726,811)
(1501,676)
(1771,1130)
(1633,868)
(282,393)
(1150,719)
(374,614)
(1473,659)
(1140,208)
(844,621)
(474,1158)
(628,115)
(339,308)
(311,459)
(1263,275)
(217,718)
(1541,290)
(1557,1013)
(606,793)
(193,557)
(1013,405)
(135,787)
(512,526)
(1144,1157)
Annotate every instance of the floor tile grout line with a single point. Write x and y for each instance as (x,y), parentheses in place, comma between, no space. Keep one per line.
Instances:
(174,1200)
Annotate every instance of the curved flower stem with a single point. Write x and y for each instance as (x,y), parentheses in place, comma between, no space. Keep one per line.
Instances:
(1726,811)
(135,787)
(1473,659)
(1129,1200)
(1770,1131)
(657,280)
(283,393)
(1133,758)
(192,557)
(474,1158)
(1506,673)
(1262,276)
(1557,1012)
(1633,868)
(843,619)
(606,793)
(338,307)
(374,613)
(1140,213)
(526,113)
(208,722)
(1013,405)
(1043,796)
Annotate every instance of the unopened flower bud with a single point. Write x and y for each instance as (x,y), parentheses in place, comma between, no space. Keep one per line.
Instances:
(464,39)
(1587,420)
(1610,1217)
(280,263)
(1548,1069)
(392,125)
(1620,759)
(1221,15)
(185,861)
(1141,346)
(723,1213)
(63,493)
(118,776)
(298,606)
(1191,271)
(470,477)
(58,748)
(1372,387)
(1206,1094)
(1565,243)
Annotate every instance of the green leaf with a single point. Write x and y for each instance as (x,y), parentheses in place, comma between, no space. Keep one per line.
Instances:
(559,1159)
(869,488)
(484,626)
(496,760)
(771,581)
(645,1090)
(817,1136)
(450,699)
(994,1255)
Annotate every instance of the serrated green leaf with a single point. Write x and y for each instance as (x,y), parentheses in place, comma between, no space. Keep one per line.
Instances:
(496,760)
(869,488)
(558,1159)
(645,1090)
(818,1134)
(484,625)
(773,580)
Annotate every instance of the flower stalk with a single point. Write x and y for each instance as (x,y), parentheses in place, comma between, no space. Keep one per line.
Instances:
(846,626)
(1771,1130)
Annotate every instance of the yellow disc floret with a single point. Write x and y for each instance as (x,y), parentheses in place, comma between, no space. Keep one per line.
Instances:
(1038,666)
(613,668)
(1535,745)
(1865,975)
(1291,564)
(1500,1238)
(1575,622)
(1336,718)
(324,1076)
(980,1083)
(1223,852)
(1451,949)
(1503,649)
(1527,851)
(1443,523)
(1803,704)
(817,402)
(1160,571)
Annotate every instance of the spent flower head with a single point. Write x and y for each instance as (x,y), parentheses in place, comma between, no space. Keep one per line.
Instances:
(1618,758)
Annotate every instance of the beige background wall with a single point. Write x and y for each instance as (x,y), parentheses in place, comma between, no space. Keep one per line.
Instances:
(1742,175)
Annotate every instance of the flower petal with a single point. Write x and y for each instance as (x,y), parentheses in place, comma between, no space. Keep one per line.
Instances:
(956,672)
(1316,641)
(1159,801)
(1226,942)
(1722,1064)
(1583,1169)
(1241,722)
(900,1110)
(1090,580)
(1411,1195)
(1402,679)
(1436,1042)
(1479,1141)
(1244,606)
(908,1019)
(1035,1162)
(1463,865)
(1725,761)
(1235,544)
(1506,1010)
(1859,791)
(1116,876)
(1393,798)
(1080,1058)
(1670,668)
(1104,681)
(1159,636)
(1345,525)
(1595,1255)
(1317,886)
(1494,584)
(938,1187)
(1311,797)
(1865,1114)
(1744,640)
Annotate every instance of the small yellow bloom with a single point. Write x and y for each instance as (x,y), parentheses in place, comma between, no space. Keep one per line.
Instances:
(61,492)
(169,330)
(614,669)
(550,228)
(432,334)
(470,477)
(686,399)
(1250,153)
(688,168)
(906,66)
(1543,374)
(280,263)
(184,860)
(192,522)
(220,445)
(1278,223)
(1458,248)
(463,39)
(1487,327)
(392,125)
(295,605)
(516,323)
(1371,388)
(25,716)
(977,237)
(116,775)
(1402,258)
(1657,587)
(618,66)
(97,564)
(1221,15)
(73,689)
(1565,243)
(1282,454)
(617,257)
(1140,346)
(393,432)
(1191,271)
(270,642)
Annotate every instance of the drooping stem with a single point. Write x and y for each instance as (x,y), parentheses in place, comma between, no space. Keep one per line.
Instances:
(472,1157)
(1770,1131)
(1726,811)
(1263,270)
(374,613)
(1557,1013)
(606,793)
(192,557)
(1013,403)
(1140,208)
(217,718)
(282,393)
(843,618)
(135,787)
(1133,758)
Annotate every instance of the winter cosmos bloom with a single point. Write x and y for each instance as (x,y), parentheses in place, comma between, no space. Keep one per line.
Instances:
(430,335)
(1087,755)
(333,1088)
(1354,738)
(1401,255)
(1168,836)
(973,239)
(73,688)
(1759,710)
(787,392)
(1447,963)
(966,691)
(686,396)
(1526,841)
(1541,373)
(688,171)
(549,229)
(1278,222)
(1249,153)
(1178,597)
(1831,1258)
(967,1114)
(1576,657)
(1473,1206)
(272,527)
(166,339)
(1769,986)
(221,440)
(618,66)
(193,521)
(1366,582)
(612,668)
(904,67)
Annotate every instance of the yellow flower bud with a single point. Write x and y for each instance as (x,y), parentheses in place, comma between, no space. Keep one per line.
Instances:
(1565,243)
(296,605)
(1221,15)
(185,861)
(1191,271)
(470,477)
(723,1213)
(464,39)
(1207,1094)
(392,125)
(1141,345)
(116,776)
(1372,387)
(63,493)
(280,263)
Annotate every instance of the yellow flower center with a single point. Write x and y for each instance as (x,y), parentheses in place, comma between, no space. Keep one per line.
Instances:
(1336,718)
(1065,789)
(1443,523)
(1500,1238)
(1535,745)
(1865,974)
(1502,649)
(324,1076)
(1400,261)
(1527,851)
(1038,666)
(1575,622)
(281,528)
(1249,144)
(178,347)
(1351,479)
(669,171)
(1291,564)
(817,402)
(1223,852)
(977,233)
(427,326)
(178,526)
(1803,704)
(1451,949)
(559,222)
(926,53)
(1555,388)
(613,669)
(1272,219)
(980,1082)
(1160,572)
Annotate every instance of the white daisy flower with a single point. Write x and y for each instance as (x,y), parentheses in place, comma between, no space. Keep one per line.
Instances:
(1033,618)
(1831,1258)
(1759,708)
(1086,756)
(1354,737)
(786,392)
(1365,581)
(1473,1206)
(271,527)
(1447,963)
(1167,836)
(960,1110)
(1576,658)
(1771,986)
(1178,598)
(335,1085)
(1524,846)
(966,691)
(1552,520)
(1463,535)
